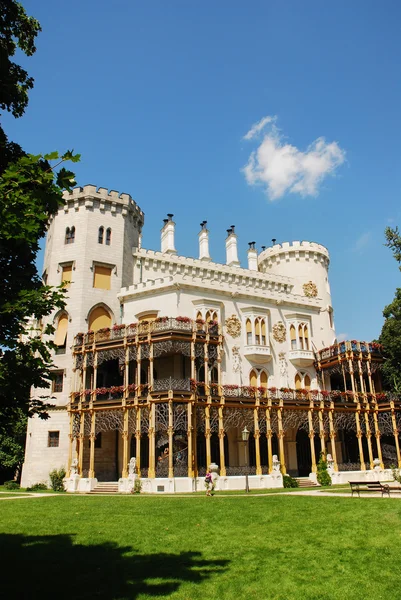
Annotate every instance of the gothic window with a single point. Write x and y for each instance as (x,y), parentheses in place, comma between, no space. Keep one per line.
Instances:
(302,381)
(258,378)
(108,236)
(214,378)
(100,235)
(257,332)
(199,315)
(69,235)
(99,318)
(263,331)
(330,317)
(249,339)
(293,338)
(211,315)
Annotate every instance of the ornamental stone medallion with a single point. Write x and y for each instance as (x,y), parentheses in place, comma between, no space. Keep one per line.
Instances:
(279,332)
(233,326)
(310,289)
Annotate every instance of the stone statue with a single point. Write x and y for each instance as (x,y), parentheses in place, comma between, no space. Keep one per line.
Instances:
(132,466)
(330,463)
(74,467)
(276,463)
(376,464)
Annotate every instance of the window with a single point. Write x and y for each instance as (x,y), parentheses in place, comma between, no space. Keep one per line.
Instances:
(256,331)
(102,277)
(302,381)
(99,318)
(331,317)
(69,235)
(53,439)
(108,236)
(249,339)
(66,274)
(293,338)
(57,381)
(211,315)
(258,378)
(100,235)
(98,440)
(299,336)
(60,338)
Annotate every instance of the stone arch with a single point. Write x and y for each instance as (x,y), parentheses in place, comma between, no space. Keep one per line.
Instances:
(100,316)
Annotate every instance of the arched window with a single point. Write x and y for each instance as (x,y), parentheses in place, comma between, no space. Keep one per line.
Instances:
(263,336)
(301,336)
(199,315)
(306,337)
(213,375)
(100,235)
(253,378)
(302,381)
(264,378)
(307,382)
(99,318)
(298,381)
(60,338)
(208,316)
(257,331)
(69,235)
(293,338)
(248,332)
(108,236)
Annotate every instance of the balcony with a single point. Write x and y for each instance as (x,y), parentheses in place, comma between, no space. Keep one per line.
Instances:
(257,354)
(302,358)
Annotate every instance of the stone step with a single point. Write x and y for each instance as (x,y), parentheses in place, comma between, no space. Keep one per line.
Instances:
(105,487)
(305,482)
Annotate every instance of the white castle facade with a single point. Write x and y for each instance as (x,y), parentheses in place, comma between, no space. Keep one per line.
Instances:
(168,359)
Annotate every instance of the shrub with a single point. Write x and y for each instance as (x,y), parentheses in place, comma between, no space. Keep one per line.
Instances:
(137,487)
(11,485)
(323,476)
(37,487)
(290,482)
(56,479)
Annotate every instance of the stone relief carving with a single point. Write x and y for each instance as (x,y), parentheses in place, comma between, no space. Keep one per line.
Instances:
(310,289)
(236,359)
(283,366)
(279,332)
(233,325)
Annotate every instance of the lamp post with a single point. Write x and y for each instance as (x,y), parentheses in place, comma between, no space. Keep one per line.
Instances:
(245,438)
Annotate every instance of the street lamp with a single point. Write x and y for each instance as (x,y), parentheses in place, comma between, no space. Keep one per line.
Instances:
(245,438)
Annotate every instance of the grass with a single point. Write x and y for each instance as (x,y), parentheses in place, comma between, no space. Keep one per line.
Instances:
(272,547)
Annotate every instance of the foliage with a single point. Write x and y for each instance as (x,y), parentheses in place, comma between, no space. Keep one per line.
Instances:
(57,479)
(12,444)
(396,473)
(31,191)
(137,486)
(390,337)
(323,476)
(290,482)
(37,487)
(11,485)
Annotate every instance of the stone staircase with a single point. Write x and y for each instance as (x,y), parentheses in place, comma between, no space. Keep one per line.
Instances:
(105,487)
(304,482)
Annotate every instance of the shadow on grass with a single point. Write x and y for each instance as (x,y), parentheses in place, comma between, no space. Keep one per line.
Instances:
(49,567)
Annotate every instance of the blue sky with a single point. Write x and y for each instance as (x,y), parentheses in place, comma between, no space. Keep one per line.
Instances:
(158,96)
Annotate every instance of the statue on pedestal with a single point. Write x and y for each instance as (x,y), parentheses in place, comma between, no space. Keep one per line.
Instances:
(132,466)
(74,467)
(276,463)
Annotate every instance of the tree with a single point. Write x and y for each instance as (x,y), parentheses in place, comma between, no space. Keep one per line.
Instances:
(390,335)
(30,192)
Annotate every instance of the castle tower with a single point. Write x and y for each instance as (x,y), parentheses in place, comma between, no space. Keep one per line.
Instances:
(307,264)
(89,248)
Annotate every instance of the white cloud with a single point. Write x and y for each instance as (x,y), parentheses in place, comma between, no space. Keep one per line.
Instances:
(257,127)
(281,167)
(362,242)
(341,337)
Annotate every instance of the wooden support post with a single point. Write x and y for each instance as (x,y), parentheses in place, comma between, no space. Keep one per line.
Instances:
(207,437)
(395,432)
(81,438)
(269,435)
(70,443)
(257,440)
(359,435)
(280,436)
(152,439)
(312,438)
(125,436)
(138,439)
(377,435)
(321,428)
(190,440)
(92,439)
(368,438)
(170,439)
(333,437)
(221,443)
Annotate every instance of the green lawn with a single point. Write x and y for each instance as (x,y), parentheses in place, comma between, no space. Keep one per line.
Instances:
(269,547)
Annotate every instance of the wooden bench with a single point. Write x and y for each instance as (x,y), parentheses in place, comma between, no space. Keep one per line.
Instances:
(369,486)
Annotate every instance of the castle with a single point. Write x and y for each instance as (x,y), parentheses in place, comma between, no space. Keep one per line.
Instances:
(180,363)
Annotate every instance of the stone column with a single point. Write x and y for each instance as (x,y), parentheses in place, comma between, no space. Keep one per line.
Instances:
(333,437)
(190,440)
(81,438)
(368,437)
(312,438)
(280,436)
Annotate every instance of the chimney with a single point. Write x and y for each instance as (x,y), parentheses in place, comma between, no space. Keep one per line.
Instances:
(167,235)
(204,242)
(252,257)
(231,248)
